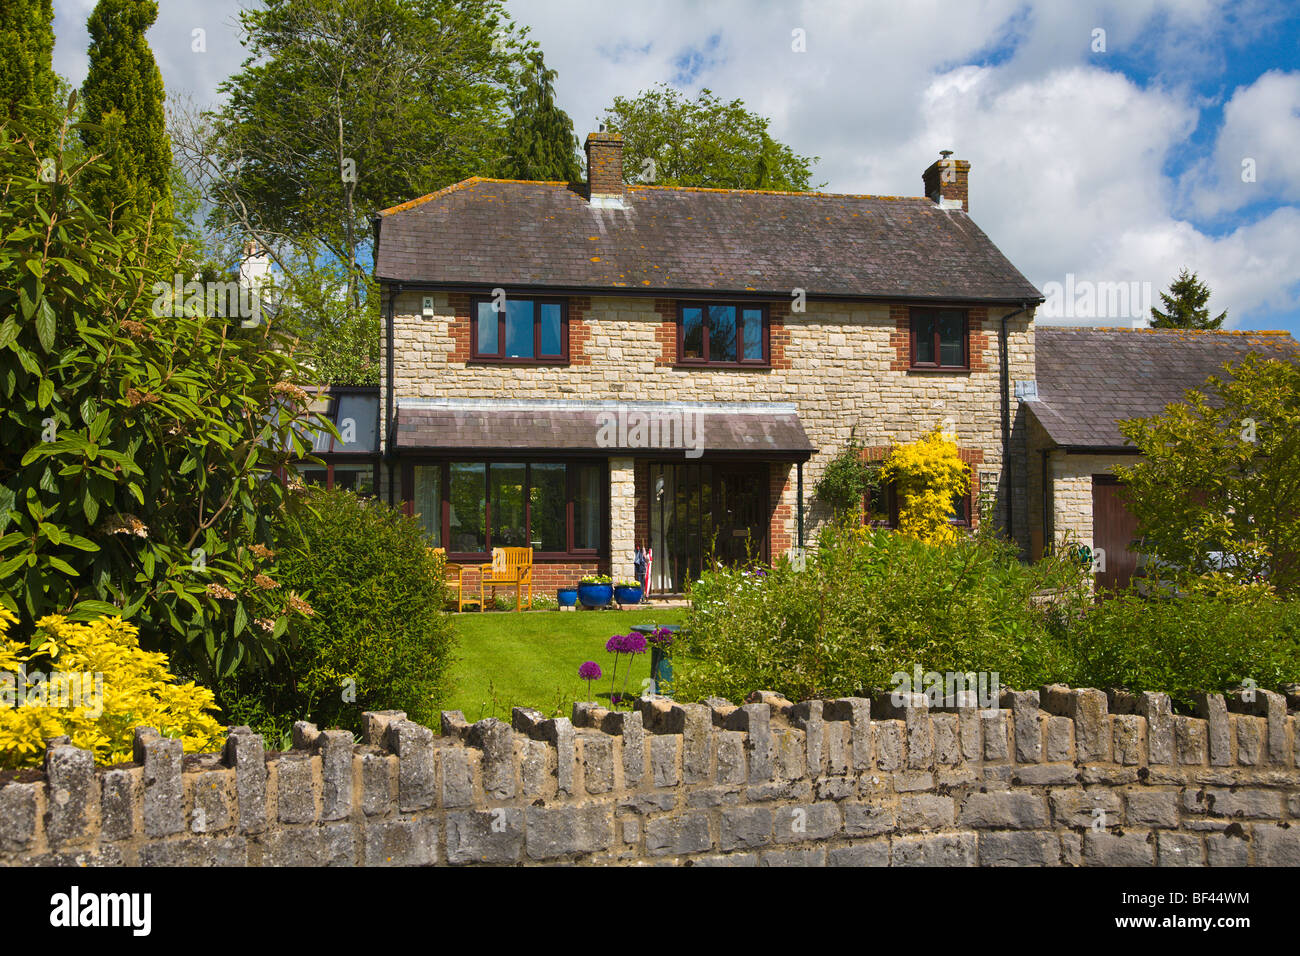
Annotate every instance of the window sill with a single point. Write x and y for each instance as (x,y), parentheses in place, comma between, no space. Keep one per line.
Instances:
(726,366)
(543,363)
(947,369)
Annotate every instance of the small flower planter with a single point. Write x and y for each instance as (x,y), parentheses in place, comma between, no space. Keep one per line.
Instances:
(625,594)
(595,595)
(567,597)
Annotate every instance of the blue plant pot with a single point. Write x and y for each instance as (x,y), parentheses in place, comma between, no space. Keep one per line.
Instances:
(567,597)
(595,595)
(628,595)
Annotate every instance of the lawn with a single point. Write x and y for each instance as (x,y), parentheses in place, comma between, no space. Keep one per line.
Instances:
(531,659)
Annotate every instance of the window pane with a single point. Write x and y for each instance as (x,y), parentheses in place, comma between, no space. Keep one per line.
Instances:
(487,330)
(313,476)
(358,478)
(546,501)
(358,418)
(468,498)
(519,328)
(507,483)
(722,333)
(550,328)
(428,501)
(952,340)
(586,507)
(958,514)
(693,333)
(754,335)
(923,333)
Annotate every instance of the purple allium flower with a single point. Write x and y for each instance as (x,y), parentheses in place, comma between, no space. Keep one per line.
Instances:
(661,637)
(590,671)
(615,645)
(634,643)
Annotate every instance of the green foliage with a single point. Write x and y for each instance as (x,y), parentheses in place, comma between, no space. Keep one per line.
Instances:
(673,141)
(28,84)
(123,108)
(1194,644)
(136,443)
(348,106)
(844,484)
(874,603)
(376,632)
(539,141)
(869,604)
(1221,472)
(340,338)
(1185,305)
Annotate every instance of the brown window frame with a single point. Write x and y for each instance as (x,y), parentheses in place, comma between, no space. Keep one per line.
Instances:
(936,365)
(572,466)
(705,361)
(499,357)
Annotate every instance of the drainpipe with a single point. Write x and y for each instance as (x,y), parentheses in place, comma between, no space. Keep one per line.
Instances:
(389,457)
(1049,534)
(1003,357)
(799,467)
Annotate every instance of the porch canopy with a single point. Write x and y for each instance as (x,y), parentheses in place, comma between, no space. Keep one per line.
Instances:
(767,431)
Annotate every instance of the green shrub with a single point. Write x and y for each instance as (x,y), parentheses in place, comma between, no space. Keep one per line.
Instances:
(870,603)
(377,636)
(1200,642)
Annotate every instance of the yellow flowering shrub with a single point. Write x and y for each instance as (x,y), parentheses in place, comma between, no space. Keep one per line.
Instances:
(928,474)
(136,689)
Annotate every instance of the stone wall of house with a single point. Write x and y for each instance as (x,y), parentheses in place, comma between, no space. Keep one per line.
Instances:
(842,364)
(1052,777)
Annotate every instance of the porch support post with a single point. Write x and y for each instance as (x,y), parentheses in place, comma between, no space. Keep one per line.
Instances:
(622,517)
(799,503)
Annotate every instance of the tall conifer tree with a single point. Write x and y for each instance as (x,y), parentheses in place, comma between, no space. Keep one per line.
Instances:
(540,144)
(28,84)
(123,97)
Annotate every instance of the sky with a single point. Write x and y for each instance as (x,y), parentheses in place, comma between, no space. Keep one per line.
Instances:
(1112,144)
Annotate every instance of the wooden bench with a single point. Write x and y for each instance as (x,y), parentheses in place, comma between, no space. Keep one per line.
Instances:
(510,567)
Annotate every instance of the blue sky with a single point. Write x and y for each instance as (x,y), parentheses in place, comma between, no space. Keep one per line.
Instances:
(1114,165)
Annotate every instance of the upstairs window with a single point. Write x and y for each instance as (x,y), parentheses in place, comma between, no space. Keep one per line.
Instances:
(940,339)
(521,331)
(725,334)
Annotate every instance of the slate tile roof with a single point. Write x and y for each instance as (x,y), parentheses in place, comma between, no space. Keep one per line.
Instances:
(766,430)
(1090,378)
(488,233)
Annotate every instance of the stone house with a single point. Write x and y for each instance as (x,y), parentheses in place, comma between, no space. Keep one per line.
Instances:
(588,369)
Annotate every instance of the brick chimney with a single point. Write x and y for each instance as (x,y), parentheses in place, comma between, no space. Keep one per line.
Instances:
(946,181)
(604,166)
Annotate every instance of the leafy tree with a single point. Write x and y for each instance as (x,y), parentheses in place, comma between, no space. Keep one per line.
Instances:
(28,83)
(137,432)
(348,106)
(671,140)
(1185,305)
(540,144)
(1221,473)
(123,106)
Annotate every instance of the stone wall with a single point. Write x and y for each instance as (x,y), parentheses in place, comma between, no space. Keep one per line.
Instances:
(1052,777)
(839,363)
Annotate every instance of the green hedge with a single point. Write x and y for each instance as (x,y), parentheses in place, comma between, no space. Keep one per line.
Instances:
(872,603)
(379,631)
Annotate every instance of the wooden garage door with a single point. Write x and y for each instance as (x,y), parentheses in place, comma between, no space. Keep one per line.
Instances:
(1114,529)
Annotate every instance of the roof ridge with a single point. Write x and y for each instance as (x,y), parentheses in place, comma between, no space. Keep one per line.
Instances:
(1125,328)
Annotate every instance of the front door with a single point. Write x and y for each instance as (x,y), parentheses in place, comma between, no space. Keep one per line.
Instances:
(1113,528)
(701,513)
